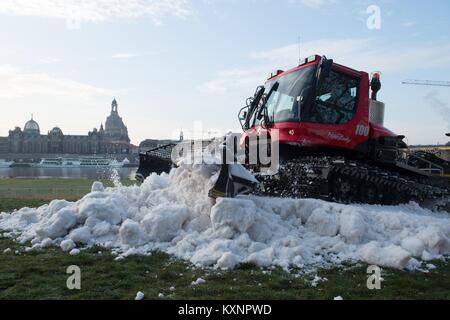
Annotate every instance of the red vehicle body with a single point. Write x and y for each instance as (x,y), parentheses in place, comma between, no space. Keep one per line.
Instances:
(358,136)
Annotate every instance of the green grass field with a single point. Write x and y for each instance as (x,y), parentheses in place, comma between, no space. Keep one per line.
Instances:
(70,189)
(42,275)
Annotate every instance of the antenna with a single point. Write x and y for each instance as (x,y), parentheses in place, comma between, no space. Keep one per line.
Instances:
(299,50)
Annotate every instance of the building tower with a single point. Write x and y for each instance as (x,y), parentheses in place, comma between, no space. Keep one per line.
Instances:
(114,106)
(115,132)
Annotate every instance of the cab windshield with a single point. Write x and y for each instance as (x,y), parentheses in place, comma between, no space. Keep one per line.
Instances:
(282,104)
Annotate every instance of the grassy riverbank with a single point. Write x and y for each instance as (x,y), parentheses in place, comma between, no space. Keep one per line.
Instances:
(70,189)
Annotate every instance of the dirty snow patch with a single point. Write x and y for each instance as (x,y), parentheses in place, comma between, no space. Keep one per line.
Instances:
(74,252)
(139,296)
(198,282)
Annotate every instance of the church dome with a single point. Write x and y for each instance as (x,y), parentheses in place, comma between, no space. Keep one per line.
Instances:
(31,126)
(56,131)
(115,129)
(114,122)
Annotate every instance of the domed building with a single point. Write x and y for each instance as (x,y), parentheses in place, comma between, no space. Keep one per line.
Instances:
(31,127)
(116,133)
(55,132)
(113,139)
(114,126)
(30,140)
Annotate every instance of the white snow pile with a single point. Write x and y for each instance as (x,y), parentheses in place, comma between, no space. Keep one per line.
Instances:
(139,296)
(172,213)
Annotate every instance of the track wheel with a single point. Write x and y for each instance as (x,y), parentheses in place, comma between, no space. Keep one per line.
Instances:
(390,196)
(342,189)
(369,193)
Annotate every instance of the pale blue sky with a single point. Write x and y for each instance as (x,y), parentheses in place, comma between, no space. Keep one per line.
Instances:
(172,62)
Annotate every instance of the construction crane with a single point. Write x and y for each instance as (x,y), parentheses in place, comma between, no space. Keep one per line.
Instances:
(427,83)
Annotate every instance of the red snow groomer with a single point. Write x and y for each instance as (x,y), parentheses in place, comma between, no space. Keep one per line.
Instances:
(332,141)
(328,124)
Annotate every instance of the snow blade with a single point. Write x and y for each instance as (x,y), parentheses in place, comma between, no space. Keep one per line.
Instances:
(233,180)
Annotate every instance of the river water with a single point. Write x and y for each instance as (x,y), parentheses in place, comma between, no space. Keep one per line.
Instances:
(68,173)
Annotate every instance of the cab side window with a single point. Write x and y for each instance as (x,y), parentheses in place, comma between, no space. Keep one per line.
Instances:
(336,100)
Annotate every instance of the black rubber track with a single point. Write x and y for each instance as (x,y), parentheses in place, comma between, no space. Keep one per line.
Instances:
(347,181)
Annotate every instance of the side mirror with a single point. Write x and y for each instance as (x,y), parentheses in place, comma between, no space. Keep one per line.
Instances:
(243,116)
(448,134)
(259,92)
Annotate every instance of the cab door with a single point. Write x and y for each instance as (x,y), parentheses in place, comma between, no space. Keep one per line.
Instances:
(338,117)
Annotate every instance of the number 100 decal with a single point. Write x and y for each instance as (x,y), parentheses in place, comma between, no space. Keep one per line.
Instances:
(362,130)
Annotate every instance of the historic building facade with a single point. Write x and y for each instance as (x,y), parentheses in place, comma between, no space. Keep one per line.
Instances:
(111,139)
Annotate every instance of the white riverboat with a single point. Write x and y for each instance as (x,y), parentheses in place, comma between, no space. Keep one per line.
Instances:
(5,164)
(87,162)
